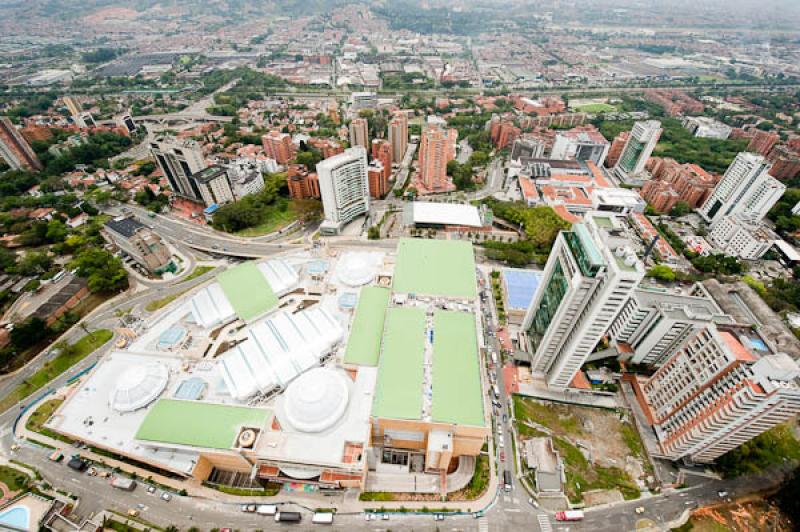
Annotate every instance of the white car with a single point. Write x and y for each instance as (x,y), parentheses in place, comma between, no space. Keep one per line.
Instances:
(166,496)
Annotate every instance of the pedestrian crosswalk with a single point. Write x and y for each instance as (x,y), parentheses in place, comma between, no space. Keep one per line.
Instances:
(483,524)
(544,523)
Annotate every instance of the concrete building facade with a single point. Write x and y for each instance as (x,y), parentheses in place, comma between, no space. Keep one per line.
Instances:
(214,185)
(359,133)
(746,189)
(179,160)
(654,323)
(717,392)
(15,150)
(639,146)
(591,272)
(344,188)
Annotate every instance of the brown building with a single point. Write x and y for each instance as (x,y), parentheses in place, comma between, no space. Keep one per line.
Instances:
(398,136)
(615,151)
(673,182)
(762,142)
(14,149)
(327,147)
(137,241)
(675,102)
(785,163)
(278,146)
(382,151)
(378,181)
(302,183)
(503,133)
(437,148)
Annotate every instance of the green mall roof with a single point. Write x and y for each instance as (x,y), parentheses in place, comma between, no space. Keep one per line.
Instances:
(247,290)
(456,384)
(364,344)
(398,392)
(435,267)
(199,424)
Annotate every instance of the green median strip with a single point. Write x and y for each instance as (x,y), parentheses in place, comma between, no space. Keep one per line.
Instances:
(70,355)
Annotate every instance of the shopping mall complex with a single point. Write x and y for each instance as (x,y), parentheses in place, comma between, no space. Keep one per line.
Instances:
(324,368)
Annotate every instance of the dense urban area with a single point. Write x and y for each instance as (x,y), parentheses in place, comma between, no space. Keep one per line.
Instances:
(399,265)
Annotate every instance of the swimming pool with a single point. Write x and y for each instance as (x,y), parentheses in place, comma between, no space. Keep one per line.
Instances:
(18,517)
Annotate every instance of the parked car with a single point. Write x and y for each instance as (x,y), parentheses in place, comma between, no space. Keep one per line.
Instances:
(166,496)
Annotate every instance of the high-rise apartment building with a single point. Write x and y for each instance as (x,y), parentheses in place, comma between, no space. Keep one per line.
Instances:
(398,136)
(654,323)
(746,189)
(344,187)
(590,274)
(73,106)
(437,148)
(14,149)
(278,146)
(615,151)
(214,185)
(378,183)
(641,142)
(125,120)
(583,143)
(180,160)
(359,133)
(383,153)
(720,390)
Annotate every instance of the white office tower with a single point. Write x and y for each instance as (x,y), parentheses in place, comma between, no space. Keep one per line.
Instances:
(654,322)
(641,142)
(746,189)
(721,389)
(180,160)
(741,237)
(344,187)
(590,274)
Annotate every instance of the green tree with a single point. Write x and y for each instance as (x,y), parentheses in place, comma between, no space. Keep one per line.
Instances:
(680,209)
(56,231)
(28,333)
(8,260)
(102,270)
(662,273)
(35,263)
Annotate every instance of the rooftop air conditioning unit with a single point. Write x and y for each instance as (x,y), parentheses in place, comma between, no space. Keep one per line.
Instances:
(247,438)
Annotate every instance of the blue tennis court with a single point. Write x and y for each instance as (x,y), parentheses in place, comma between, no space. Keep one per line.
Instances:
(520,286)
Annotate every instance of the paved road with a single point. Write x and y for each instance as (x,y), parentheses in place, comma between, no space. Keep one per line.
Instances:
(202,238)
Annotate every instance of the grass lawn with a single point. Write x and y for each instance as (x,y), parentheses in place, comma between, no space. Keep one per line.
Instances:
(596,108)
(197,272)
(273,221)
(40,416)
(15,480)
(379,496)
(52,369)
(163,302)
